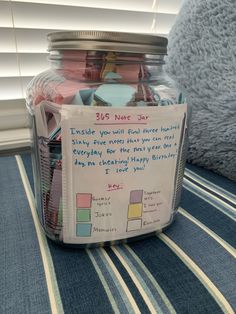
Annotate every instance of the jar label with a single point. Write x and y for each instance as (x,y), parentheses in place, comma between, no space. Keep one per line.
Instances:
(119,170)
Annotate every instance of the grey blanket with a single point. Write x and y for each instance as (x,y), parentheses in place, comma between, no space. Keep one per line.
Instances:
(202,61)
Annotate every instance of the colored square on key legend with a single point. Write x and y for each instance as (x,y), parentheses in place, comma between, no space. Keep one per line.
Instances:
(135,210)
(136,196)
(83,200)
(83,215)
(83,230)
(134,224)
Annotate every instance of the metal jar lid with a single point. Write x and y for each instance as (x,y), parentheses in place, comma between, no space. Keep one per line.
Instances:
(107,41)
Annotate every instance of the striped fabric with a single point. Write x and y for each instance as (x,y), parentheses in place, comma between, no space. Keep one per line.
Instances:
(190,268)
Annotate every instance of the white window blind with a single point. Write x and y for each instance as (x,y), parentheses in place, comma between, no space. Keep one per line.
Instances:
(23,42)
(24,25)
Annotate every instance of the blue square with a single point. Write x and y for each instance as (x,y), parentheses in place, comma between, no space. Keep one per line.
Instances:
(83,230)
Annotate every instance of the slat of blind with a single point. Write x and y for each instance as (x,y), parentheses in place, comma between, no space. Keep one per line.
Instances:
(8,65)
(163,6)
(169,6)
(13,142)
(32,40)
(132,5)
(28,15)
(13,87)
(24,83)
(30,64)
(7,41)
(10,88)
(28,40)
(5,14)
(13,114)
(12,104)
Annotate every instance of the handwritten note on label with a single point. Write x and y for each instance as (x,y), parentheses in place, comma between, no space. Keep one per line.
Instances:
(118,170)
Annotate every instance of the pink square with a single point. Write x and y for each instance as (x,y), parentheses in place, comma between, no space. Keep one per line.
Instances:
(83,200)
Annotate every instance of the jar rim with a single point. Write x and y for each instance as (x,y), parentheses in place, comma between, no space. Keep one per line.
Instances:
(107,41)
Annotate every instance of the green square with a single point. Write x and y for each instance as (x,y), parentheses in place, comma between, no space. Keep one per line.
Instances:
(83,215)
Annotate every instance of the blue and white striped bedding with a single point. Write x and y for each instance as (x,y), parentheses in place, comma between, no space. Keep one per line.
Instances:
(190,268)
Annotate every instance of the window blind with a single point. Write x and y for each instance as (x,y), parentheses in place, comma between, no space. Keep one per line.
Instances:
(25,24)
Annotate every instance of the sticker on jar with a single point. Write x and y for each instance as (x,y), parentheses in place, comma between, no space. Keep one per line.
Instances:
(119,170)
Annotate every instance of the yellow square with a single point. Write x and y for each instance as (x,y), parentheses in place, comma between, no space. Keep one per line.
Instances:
(135,210)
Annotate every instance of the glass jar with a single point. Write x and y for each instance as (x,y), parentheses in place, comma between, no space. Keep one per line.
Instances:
(109,138)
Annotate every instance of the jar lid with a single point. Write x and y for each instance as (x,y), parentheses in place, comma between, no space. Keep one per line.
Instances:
(107,41)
